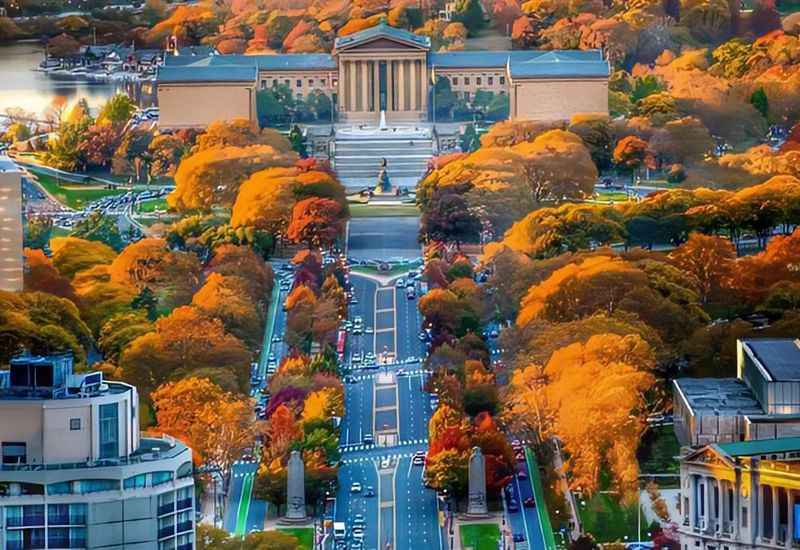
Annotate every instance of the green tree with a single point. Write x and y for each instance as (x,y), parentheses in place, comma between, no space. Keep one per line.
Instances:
(470,13)
(99,227)
(759,100)
(298,141)
(444,98)
(117,110)
(469,141)
(37,232)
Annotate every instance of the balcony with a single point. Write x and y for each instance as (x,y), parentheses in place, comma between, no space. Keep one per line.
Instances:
(166,531)
(164,509)
(184,526)
(184,503)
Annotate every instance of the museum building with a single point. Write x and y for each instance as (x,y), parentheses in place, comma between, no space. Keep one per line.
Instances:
(383,69)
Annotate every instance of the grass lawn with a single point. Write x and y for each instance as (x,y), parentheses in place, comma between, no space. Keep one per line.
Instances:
(616,196)
(358,210)
(479,536)
(151,205)
(305,536)
(75,195)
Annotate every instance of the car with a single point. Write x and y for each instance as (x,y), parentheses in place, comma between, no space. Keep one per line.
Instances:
(367,439)
(369,491)
(418,459)
(276,339)
(353,301)
(422,336)
(400,283)
(519,537)
(522,474)
(529,502)
(369,330)
(411,293)
(358,519)
(355,487)
(349,379)
(410,283)
(271,357)
(512,505)
(400,372)
(386,462)
(494,333)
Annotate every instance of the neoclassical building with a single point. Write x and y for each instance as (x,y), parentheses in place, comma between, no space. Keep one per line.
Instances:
(741,495)
(382,69)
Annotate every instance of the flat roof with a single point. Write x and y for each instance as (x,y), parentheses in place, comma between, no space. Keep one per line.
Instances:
(780,357)
(760,446)
(193,73)
(718,396)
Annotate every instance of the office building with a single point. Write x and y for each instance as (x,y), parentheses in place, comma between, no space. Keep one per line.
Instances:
(10,226)
(77,473)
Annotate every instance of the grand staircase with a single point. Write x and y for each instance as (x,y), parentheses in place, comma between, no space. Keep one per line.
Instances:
(357,159)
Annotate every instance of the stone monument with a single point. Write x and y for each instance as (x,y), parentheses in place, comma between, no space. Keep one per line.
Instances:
(383,186)
(477,484)
(295,490)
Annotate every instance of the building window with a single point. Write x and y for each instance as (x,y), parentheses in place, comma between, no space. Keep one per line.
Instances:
(136,482)
(502,80)
(15,453)
(744,516)
(264,84)
(491,80)
(287,81)
(299,83)
(466,81)
(159,478)
(310,81)
(74,424)
(322,82)
(466,96)
(109,431)
(478,81)
(455,81)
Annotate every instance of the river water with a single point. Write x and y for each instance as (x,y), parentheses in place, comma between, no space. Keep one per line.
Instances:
(21,86)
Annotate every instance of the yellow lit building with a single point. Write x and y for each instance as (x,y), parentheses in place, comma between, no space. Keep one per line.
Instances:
(10,226)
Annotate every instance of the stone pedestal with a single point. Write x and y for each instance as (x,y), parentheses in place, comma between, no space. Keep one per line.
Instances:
(477,485)
(295,490)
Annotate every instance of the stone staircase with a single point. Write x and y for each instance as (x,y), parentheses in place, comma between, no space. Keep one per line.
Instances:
(357,160)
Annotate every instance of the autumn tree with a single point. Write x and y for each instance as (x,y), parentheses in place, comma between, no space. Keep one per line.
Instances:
(226,297)
(708,259)
(185,343)
(318,222)
(42,276)
(72,254)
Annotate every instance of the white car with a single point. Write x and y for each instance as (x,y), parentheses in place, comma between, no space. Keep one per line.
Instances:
(355,487)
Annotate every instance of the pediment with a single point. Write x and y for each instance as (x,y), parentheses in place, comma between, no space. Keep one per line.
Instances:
(382,37)
(709,455)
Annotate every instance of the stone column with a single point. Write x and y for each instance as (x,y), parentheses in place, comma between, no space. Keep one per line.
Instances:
(353,85)
(477,484)
(737,510)
(719,519)
(414,85)
(789,518)
(424,81)
(775,513)
(295,489)
(693,496)
(376,86)
(401,88)
(389,85)
(364,85)
(707,502)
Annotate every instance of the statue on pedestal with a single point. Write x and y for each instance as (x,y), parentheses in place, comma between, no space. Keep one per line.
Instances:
(383,186)
(477,484)
(295,489)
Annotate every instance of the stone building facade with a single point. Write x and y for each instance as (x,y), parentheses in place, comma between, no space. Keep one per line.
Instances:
(382,69)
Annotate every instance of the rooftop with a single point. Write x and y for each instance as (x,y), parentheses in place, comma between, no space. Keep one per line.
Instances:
(382,30)
(780,357)
(718,396)
(200,73)
(760,446)
(561,63)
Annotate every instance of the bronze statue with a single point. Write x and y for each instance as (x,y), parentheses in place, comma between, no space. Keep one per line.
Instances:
(384,186)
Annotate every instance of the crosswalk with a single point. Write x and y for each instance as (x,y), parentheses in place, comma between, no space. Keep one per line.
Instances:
(360,447)
(369,376)
(377,459)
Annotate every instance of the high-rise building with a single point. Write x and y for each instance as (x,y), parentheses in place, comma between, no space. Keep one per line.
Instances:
(75,470)
(10,225)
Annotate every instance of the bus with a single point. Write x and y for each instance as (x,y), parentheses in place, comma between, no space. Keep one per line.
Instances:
(340,343)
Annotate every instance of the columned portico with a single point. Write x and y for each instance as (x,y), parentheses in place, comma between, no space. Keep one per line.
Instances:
(384,71)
